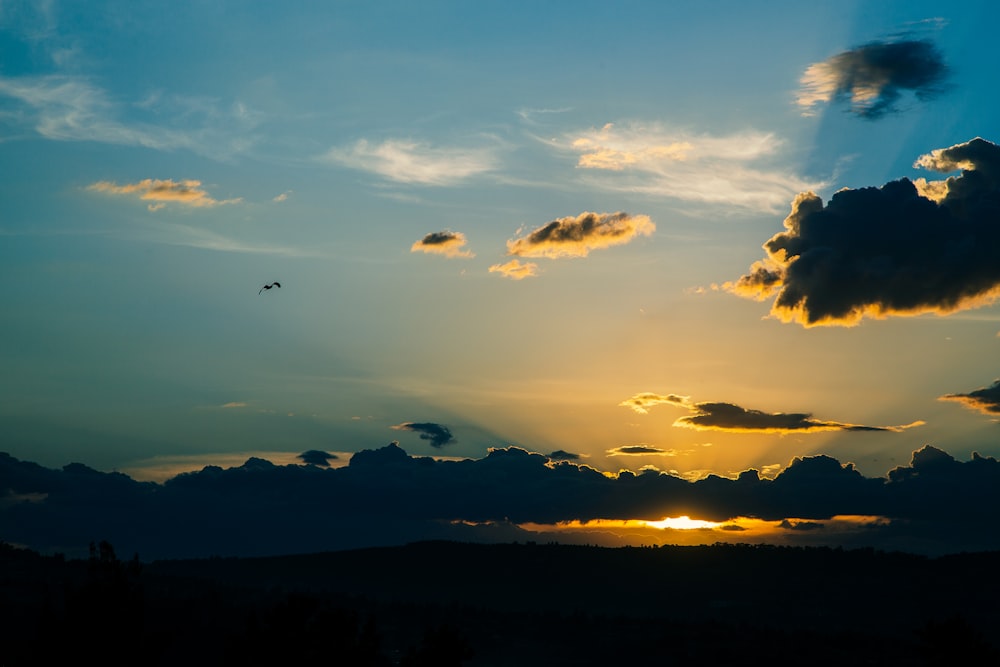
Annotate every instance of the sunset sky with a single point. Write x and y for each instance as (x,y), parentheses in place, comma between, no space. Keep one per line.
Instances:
(602,230)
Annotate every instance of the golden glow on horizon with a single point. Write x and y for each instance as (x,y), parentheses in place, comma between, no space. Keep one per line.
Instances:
(682,523)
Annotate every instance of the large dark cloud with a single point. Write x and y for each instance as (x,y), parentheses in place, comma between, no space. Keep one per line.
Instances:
(873,77)
(385,496)
(438,435)
(984,399)
(903,249)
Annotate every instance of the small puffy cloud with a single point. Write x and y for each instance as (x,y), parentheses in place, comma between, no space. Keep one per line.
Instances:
(984,399)
(577,236)
(160,192)
(642,402)
(445,243)
(414,162)
(906,248)
(873,77)
(282,197)
(317,458)
(515,270)
(640,450)
(438,435)
(743,169)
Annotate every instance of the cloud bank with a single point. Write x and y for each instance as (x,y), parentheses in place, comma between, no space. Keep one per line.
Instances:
(872,78)
(385,496)
(906,248)
(447,243)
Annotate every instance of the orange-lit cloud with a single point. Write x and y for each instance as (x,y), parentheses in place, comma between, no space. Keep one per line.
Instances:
(641,450)
(874,76)
(984,399)
(414,162)
(515,270)
(717,416)
(577,236)
(902,249)
(160,192)
(447,243)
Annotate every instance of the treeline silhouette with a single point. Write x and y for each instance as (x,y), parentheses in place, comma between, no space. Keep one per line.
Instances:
(446,603)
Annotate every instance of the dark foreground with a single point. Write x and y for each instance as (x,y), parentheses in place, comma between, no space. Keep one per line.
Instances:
(444,603)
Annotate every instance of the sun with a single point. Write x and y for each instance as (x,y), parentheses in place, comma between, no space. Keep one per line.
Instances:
(681,523)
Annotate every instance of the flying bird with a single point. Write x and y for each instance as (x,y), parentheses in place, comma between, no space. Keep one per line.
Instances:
(274,284)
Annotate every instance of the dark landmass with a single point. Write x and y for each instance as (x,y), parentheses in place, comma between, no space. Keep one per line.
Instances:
(449,603)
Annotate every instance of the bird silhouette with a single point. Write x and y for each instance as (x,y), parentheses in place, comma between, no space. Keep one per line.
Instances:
(274,284)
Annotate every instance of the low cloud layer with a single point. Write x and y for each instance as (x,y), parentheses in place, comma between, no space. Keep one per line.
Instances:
(984,399)
(873,78)
(447,243)
(906,248)
(407,161)
(578,236)
(717,416)
(438,435)
(385,496)
(161,192)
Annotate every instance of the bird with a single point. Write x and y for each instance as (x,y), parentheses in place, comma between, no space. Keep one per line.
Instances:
(274,284)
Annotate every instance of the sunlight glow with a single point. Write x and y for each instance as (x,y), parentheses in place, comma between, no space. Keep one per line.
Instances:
(682,523)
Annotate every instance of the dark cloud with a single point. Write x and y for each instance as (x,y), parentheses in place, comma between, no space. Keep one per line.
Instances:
(437,434)
(447,243)
(800,525)
(637,450)
(317,458)
(903,249)
(873,77)
(985,399)
(385,496)
(577,236)
(560,455)
(715,416)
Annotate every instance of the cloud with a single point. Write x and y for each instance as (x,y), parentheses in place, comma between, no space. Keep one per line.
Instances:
(560,455)
(716,416)
(801,525)
(742,169)
(515,270)
(873,77)
(984,399)
(234,404)
(906,248)
(640,450)
(577,236)
(642,402)
(437,434)
(282,197)
(317,458)
(160,192)
(445,243)
(413,162)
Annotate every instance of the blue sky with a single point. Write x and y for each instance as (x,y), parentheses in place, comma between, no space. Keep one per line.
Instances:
(163,162)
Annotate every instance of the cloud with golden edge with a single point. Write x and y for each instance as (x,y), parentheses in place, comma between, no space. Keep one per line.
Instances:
(904,249)
(719,416)
(642,402)
(515,270)
(447,243)
(577,236)
(641,450)
(984,399)
(873,77)
(161,192)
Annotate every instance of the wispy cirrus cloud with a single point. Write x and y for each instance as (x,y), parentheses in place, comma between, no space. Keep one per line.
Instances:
(447,243)
(872,78)
(742,169)
(906,248)
(160,192)
(720,416)
(407,161)
(984,399)
(515,270)
(576,236)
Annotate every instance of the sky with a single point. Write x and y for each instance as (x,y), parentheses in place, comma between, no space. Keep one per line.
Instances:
(693,238)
